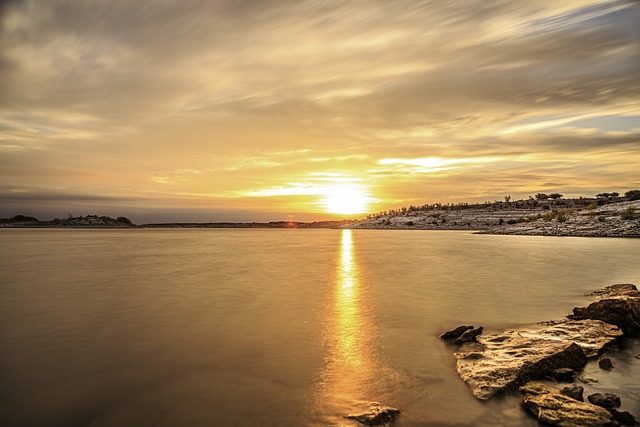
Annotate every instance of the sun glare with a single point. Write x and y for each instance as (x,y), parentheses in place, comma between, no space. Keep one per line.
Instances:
(346,199)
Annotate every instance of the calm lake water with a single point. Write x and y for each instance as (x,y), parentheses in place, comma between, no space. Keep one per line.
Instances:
(214,327)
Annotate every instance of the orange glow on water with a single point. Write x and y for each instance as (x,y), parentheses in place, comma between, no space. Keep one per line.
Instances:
(350,362)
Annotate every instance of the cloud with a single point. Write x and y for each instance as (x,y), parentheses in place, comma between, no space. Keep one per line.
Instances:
(114,97)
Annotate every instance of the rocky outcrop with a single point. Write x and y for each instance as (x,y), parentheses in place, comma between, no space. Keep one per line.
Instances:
(618,305)
(553,350)
(504,361)
(556,409)
(378,414)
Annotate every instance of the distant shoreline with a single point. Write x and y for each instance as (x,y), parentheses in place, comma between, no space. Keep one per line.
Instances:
(583,217)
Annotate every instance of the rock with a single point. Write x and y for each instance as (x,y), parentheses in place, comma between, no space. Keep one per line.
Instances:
(556,409)
(623,417)
(606,400)
(575,392)
(455,333)
(563,374)
(505,361)
(605,363)
(618,290)
(620,306)
(378,414)
(469,335)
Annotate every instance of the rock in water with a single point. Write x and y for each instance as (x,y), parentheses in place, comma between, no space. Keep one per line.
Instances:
(623,417)
(556,409)
(378,414)
(605,363)
(606,400)
(508,360)
(618,305)
(575,392)
(469,335)
(455,333)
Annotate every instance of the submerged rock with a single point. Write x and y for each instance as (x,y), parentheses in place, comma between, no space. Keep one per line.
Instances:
(469,335)
(378,414)
(606,400)
(455,333)
(507,360)
(556,409)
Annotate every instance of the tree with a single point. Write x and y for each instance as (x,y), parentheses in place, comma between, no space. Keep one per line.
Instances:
(542,196)
(555,196)
(632,194)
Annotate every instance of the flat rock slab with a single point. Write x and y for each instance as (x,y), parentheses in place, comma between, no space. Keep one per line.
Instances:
(504,361)
(553,408)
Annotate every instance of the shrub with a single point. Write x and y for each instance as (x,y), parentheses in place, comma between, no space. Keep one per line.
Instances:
(629,213)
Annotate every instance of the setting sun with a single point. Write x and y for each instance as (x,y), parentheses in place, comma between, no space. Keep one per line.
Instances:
(346,199)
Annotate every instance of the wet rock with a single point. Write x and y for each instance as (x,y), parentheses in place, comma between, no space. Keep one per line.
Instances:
(556,409)
(378,414)
(455,333)
(623,417)
(606,400)
(619,305)
(505,361)
(563,374)
(605,363)
(575,392)
(469,335)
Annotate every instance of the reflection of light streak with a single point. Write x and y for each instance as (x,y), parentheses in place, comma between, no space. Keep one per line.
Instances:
(351,370)
(348,331)
(349,364)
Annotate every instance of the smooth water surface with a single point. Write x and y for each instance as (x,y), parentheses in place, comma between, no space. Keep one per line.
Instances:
(233,327)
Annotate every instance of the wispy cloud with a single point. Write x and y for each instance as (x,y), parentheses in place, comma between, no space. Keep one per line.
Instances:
(215,98)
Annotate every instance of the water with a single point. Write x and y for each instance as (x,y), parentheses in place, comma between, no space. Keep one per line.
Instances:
(276,327)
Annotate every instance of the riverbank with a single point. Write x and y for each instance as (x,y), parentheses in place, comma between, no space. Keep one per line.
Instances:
(578,217)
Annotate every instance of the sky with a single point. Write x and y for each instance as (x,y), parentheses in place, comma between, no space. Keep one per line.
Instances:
(267,110)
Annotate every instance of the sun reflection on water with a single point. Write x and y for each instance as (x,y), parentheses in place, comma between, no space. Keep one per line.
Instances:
(350,369)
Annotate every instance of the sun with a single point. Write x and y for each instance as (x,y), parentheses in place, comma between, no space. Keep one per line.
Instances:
(346,199)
